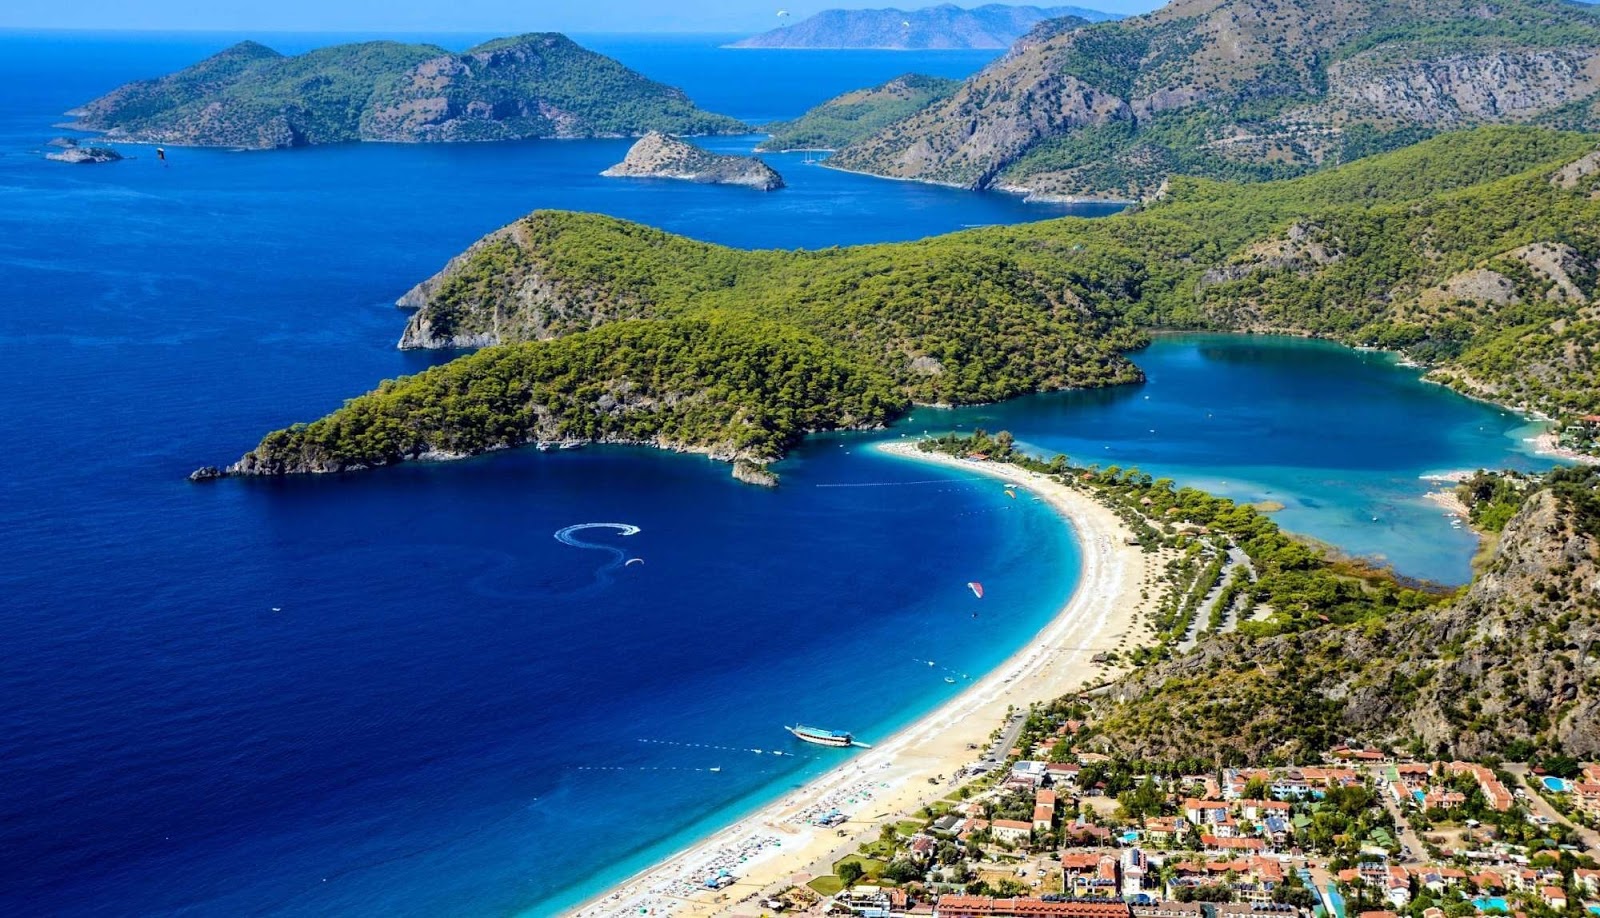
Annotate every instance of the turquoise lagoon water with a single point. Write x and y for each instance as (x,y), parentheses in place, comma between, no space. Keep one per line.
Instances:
(397,693)
(1344,439)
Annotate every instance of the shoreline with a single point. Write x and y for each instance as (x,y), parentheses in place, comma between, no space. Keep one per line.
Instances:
(779,845)
(1546,444)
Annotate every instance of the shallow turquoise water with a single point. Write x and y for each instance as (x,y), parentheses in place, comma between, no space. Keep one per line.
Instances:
(1342,438)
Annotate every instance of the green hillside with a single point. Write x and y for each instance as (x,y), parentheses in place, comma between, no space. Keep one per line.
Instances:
(1473,252)
(1243,90)
(536,85)
(853,116)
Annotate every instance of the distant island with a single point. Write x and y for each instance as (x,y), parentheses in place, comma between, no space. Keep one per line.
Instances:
(855,115)
(945,27)
(1241,90)
(529,86)
(657,155)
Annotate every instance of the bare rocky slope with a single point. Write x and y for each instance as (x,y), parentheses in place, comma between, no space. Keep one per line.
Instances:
(656,155)
(1242,89)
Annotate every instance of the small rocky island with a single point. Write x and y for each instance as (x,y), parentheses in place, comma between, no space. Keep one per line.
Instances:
(658,155)
(72,153)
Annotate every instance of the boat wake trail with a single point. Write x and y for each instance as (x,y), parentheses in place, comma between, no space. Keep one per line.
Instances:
(619,558)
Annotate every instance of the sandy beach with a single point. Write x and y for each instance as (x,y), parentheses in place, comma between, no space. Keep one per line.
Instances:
(778,846)
(1546,444)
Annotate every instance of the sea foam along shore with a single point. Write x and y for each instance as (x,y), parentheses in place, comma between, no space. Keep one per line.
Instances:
(778,845)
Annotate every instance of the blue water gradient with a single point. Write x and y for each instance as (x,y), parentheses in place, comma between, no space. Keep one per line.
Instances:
(389,693)
(1345,440)
(386,694)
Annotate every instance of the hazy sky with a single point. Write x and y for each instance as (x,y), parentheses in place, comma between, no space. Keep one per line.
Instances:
(498,16)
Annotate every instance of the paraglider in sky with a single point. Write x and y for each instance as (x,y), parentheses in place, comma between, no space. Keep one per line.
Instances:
(782,13)
(1011,494)
(976,588)
(161,154)
(634,561)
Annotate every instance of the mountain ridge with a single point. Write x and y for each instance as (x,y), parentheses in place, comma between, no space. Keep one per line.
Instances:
(1242,89)
(943,27)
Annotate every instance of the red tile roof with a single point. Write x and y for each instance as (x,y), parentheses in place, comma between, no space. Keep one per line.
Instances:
(963,906)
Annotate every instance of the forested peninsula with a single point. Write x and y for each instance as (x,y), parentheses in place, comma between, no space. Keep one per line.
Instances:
(855,115)
(1473,253)
(527,86)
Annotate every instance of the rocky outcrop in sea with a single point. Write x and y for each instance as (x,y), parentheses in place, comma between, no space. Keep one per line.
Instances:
(77,154)
(657,155)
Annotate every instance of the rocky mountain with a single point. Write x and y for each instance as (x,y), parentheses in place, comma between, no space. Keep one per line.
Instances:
(934,28)
(855,115)
(535,85)
(1507,665)
(657,155)
(1242,89)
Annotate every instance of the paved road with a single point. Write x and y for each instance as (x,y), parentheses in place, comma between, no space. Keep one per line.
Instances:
(1202,615)
(1408,835)
(1014,726)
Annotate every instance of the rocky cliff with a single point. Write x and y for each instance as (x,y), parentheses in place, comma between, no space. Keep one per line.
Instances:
(1511,660)
(536,85)
(657,155)
(1249,89)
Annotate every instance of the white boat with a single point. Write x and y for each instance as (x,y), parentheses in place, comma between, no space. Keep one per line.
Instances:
(822,737)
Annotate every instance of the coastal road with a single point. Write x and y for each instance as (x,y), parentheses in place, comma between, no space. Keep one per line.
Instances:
(997,752)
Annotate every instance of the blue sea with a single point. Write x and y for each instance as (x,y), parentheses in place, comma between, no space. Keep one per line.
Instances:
(398,693)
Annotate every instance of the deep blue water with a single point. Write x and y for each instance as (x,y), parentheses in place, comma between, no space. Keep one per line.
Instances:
(415,731)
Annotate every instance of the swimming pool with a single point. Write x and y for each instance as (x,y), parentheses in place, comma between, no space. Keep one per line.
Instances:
(1491,904)
(1552,783)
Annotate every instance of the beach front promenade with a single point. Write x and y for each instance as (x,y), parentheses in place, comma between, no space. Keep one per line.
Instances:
(778,846)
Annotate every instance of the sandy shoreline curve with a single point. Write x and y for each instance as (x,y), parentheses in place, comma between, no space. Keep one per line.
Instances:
(778,846)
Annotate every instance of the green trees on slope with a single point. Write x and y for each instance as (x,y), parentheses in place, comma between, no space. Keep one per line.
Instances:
(1362,253)
(744,388)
